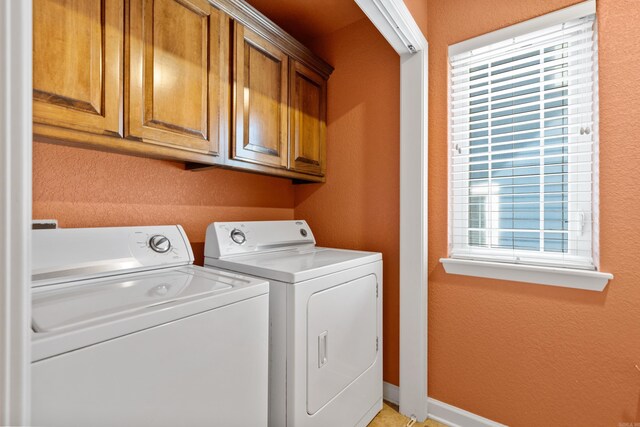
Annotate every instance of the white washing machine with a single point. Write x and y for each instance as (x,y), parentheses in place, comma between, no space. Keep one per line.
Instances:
(325,354)
(128,333)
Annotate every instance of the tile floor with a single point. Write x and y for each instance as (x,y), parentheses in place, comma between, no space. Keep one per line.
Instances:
(390,417)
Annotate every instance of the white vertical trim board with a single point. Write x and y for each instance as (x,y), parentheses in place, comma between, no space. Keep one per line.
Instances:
(15,210)
(413,234)
(443,412)
(394,21)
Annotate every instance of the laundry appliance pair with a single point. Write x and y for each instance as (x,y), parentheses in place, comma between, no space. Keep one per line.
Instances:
(127,331)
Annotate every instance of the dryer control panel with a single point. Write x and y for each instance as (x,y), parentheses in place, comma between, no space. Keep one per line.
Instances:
(235,238)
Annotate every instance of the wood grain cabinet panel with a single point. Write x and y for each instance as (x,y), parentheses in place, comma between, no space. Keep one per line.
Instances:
(308,120)
(77,64)
(205,82)
(260,103)
(177,50)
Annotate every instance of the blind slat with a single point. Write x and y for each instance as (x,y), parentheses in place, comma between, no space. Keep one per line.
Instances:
(499,129)
(518,45)
(461,89)
(588,103)
(582,51)
(497,99)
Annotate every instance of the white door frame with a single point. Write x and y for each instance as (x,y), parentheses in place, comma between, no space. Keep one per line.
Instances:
(413,234)
(394,21)
(15,210)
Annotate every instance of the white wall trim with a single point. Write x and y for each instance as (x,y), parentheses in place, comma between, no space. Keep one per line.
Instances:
(542,275)
(456,417)
(443,412)
(394,21)
(391,392)
(413,234)
(576,11)
(15,210)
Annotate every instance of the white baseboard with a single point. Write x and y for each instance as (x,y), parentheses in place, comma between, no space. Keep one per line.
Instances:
(442,412)
(391,393)
(456,417)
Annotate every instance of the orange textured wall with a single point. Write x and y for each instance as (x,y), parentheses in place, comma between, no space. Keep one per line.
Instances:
(531,355)
(84,188)
(419,11)
(358,206)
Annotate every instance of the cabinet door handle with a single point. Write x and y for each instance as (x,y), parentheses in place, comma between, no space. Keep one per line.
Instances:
(322,349)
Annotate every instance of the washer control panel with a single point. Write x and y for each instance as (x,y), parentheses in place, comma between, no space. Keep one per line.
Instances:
(66,254)
(234,238)
(159,245)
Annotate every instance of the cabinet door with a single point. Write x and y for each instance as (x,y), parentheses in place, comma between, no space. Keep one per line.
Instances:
(176,51)
(261,76)
(308,109)
(77,64)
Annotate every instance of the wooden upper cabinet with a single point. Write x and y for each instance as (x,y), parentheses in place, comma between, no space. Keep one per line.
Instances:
(308,120)
(77,64)
(260,101)
(178,52)
(209,82)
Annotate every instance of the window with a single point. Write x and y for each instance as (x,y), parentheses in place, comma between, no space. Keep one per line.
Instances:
(523,135)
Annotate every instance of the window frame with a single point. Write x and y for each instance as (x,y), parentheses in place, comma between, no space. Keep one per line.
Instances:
(466,262)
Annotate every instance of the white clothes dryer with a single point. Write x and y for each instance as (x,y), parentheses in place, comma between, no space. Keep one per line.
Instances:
(128,333)
(325,312)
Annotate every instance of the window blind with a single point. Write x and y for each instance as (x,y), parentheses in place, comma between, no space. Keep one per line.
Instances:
(523,141)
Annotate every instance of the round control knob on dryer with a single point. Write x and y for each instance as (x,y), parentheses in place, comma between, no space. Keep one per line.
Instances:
(160,243)
(238,236)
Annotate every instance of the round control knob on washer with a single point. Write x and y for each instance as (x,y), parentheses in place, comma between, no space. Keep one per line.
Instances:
(160,243)
(238,236)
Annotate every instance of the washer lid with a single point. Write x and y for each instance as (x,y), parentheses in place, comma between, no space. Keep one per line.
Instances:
(100,300)
(71,316)
(295,265)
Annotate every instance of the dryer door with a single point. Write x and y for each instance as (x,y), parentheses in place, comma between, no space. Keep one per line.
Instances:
(341,338)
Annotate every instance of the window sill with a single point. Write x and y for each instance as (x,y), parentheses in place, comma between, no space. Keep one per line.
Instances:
(553,276)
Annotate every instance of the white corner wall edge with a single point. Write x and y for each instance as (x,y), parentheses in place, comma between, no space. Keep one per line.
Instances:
(15,210)
(413,234)
(394,21)
(443,412)
(552,276)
